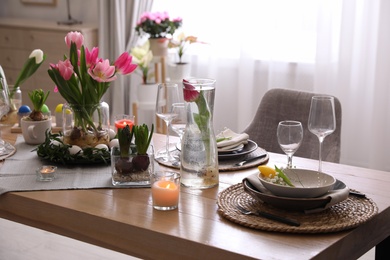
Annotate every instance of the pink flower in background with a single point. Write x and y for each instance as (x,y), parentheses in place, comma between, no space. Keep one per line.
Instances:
(66,69)
(157,25)
(75,37)
(102,71)
(123,64)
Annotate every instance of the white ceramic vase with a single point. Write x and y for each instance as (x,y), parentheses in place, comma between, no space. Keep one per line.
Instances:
(179,71)
(159,46)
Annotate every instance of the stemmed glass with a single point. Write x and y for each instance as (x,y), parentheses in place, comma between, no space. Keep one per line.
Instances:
(322,120)
(167,95)
(4,108)
(178,123)
(290,135)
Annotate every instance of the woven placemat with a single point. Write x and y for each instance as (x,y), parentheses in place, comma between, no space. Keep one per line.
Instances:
(345,215)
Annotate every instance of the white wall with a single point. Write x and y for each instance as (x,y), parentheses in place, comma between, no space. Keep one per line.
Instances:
(85,10)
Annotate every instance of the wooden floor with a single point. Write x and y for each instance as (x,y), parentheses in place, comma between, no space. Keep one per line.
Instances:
(20,242)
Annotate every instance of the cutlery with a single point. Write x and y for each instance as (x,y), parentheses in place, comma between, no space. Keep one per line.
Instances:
(250,160)
(270,216)
(357,194)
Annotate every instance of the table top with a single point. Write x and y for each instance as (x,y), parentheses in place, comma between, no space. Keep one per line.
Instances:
(124,219)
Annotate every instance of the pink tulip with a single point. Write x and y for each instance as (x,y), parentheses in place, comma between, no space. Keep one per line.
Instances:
(123,64)
(66,69)
(189,92)
(91,57)
(55,89)
(102,71)
(75,37)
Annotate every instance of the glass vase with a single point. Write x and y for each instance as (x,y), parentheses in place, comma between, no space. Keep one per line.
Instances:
(199,154)
(86,125)
(132,169)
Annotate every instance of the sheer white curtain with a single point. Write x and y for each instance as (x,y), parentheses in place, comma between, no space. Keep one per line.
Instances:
(325,46)
(117,35)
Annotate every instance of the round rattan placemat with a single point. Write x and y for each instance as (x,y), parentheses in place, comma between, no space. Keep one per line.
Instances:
(345,215)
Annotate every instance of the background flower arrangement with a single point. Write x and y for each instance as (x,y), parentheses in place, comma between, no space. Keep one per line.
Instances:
(181,43)
(143,56)
(157,25)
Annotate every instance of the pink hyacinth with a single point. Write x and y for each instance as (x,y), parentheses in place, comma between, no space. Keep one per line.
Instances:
(75,37)
(123,64)
(66,69)
(102,71)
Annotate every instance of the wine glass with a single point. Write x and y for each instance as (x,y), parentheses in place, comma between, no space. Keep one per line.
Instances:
(167,94)
(322,120)
(4,109)
(178,123)
(290,135)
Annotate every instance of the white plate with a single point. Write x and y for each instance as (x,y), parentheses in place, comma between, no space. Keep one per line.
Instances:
(233,149)
(308,184)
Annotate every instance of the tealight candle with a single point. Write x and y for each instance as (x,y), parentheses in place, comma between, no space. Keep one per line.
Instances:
(122,120)
(46,173)
(165,190)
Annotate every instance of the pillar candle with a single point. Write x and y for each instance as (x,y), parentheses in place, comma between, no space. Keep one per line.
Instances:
(165,193)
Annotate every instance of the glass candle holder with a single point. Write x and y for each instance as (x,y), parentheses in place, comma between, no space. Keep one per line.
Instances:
(122,120)
(46,173)
(165,190)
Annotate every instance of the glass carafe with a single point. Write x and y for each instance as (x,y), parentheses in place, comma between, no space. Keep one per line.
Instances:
(199,154)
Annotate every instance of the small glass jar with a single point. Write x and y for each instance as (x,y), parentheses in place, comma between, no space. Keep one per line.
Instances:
(15,97)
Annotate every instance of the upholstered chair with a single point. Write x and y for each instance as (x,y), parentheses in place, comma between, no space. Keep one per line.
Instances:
(284,104)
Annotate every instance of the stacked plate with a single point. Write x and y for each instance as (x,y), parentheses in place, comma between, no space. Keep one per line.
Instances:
(231,144)
(304,196)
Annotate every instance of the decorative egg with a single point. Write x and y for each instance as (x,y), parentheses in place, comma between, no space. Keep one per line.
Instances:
(114,143)
(24,109)
(59,108)
(102,146)
(111,133)
(74,149)
(55,142)
(45,109)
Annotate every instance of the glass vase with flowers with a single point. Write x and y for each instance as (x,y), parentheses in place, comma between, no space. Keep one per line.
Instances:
(82,79)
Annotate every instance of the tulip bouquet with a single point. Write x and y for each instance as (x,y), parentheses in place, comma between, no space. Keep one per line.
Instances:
(83,78)
(157,25)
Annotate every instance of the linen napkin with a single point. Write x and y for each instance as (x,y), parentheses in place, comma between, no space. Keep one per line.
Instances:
(231,139)
(337,195)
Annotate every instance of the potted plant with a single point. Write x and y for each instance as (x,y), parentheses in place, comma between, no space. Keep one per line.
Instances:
(35,125)
(158,26)
(131,162)
(143,56)
(180,69)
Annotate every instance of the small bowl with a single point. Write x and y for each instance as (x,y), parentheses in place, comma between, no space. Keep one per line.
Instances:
(308,184)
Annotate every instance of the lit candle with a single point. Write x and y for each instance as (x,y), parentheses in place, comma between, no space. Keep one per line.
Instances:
(165,194)
(46,173)
(123,122)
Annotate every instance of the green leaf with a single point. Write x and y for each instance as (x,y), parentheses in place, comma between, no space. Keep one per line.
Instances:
(283,176)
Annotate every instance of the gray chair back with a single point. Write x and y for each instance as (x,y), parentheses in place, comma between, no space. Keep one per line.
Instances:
(284,104)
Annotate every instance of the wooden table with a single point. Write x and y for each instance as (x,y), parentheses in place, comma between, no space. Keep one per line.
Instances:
(124,220)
